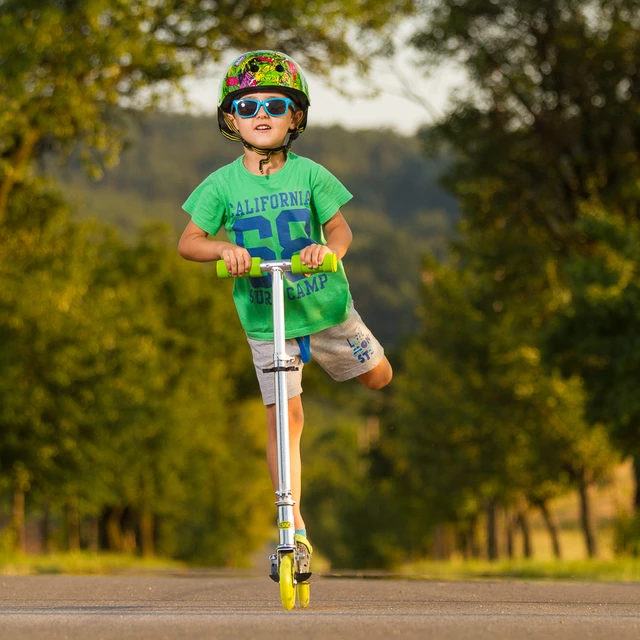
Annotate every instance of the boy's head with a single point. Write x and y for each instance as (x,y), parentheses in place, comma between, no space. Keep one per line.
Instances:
(265,118)
(268,85)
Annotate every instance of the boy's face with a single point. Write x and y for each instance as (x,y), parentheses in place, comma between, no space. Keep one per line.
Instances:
(264,130)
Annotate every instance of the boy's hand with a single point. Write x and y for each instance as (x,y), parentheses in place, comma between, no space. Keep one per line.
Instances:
(313,255)
(236,259)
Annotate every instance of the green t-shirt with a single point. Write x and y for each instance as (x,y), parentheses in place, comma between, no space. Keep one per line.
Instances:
(274,217)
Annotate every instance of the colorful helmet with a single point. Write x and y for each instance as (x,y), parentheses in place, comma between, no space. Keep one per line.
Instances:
(258,70)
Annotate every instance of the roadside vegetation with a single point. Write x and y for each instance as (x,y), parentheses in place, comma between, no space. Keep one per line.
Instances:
(496,254)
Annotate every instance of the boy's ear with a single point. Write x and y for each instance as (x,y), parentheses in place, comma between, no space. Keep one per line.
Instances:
(296,118)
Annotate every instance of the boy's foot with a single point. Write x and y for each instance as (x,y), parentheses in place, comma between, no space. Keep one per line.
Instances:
(303,558)
(303,553)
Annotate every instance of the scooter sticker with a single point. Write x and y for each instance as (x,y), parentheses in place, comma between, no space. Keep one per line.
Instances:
(284,525)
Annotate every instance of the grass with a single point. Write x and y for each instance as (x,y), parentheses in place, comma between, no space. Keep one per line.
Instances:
(84,563)
(614,570)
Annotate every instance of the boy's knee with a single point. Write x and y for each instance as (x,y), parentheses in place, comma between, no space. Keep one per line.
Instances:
(296,416)
(380,376)
(296,412)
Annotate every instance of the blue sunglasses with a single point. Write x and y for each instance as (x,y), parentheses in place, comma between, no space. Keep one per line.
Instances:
(249,107)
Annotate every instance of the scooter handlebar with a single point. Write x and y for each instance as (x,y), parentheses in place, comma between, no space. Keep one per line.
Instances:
(329,265)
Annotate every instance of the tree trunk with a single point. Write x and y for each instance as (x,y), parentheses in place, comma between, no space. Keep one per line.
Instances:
(73,524)
(94,535)
(442,542)
(18,162)
(636,473)
(475,549)
(586,518)
(552,527)
(147,533)
(509,533)
(45,528)
(492,531)
(469,540)
(114,530)
(523,523)
(17,521)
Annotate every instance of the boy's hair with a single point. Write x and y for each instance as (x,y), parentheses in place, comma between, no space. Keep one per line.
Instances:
(258,71)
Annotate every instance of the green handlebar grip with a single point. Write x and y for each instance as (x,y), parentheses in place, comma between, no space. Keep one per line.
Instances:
(254,272)
(329,265)
(221,269)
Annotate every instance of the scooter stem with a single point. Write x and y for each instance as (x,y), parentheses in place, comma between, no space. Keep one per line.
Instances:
(286,530)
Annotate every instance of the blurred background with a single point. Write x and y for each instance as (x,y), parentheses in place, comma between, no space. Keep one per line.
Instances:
(493,149)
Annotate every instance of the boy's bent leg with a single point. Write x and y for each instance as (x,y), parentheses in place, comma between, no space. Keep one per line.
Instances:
(378,377)
(296,424)
(349,350)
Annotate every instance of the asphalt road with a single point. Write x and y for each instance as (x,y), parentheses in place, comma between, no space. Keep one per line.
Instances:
(211,607)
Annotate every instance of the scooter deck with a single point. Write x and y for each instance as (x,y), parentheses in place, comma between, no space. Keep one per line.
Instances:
(301,578)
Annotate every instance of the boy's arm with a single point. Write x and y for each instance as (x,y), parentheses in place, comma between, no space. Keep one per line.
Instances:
(338,235)
(195,245)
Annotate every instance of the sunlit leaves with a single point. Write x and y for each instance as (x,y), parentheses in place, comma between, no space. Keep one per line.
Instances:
(65,65)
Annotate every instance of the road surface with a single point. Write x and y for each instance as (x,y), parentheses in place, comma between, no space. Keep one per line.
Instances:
(206,606)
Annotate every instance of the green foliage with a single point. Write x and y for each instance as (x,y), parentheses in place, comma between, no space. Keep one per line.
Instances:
(122,383)
(126,388)
(545,132)
(627,535)
(123,374)
(356,514)
(477,416)
(596,328)
(67,65)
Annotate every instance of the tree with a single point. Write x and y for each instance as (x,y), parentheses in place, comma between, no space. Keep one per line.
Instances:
(123,390)
(480,422)
(45,371)
(595,330)
(68,64)
(548,129)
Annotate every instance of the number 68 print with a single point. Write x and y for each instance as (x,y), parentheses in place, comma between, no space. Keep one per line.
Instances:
(288,244)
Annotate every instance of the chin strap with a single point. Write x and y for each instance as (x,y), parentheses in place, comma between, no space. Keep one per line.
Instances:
(270,152)
(260,150)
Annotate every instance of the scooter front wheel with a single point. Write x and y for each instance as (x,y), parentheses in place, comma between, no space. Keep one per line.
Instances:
(287,586)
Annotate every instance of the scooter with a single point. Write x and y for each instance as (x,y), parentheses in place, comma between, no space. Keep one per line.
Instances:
(292,581)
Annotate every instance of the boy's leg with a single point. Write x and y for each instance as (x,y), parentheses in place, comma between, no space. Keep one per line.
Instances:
(378,377)
(349,350)
(296,424)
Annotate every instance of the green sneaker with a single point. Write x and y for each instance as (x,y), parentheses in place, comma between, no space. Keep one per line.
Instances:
(303,554)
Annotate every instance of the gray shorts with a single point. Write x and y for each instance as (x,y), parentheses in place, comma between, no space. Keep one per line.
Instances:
(345,351)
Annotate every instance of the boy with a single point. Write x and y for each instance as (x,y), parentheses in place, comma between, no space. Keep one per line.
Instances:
(273,204)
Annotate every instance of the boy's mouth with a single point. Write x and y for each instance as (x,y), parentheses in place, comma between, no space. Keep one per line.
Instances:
(263,127)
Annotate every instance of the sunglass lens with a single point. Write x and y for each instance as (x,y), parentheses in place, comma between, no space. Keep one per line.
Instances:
(276,107)
(247,108)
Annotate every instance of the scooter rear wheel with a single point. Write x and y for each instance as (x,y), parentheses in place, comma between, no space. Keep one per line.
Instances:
(303,594)
(287,586)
